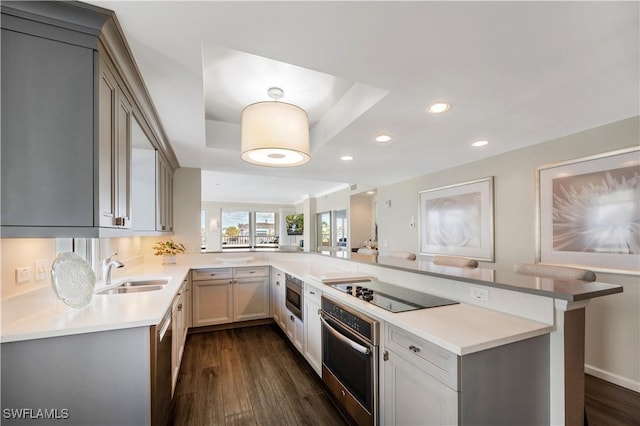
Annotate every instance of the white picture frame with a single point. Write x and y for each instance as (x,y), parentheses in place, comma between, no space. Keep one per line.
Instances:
(588,213)
(457,220)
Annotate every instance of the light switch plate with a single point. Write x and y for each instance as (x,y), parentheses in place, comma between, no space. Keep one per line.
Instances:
(42,269)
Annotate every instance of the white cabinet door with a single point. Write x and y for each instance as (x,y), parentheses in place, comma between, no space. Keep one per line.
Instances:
(312,326)
(278,303)
(413,397)
(295,330)
(313,334)
(212,302)
(250,298)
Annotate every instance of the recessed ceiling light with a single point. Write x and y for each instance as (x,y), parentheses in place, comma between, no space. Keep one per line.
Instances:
(480,143)
(346,157)
(370,192)
(383,138)
(439,107)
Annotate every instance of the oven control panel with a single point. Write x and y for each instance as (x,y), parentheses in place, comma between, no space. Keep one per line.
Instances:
(356,321)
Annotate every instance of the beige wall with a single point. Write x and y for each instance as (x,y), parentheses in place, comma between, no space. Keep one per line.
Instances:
(613,322)
(362,219)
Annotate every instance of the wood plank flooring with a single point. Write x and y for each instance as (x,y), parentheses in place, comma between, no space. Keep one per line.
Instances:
(608,404)
(249,376)
(252,376)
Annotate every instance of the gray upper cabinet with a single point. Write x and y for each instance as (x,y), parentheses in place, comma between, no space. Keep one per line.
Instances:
(114,140)
(164,196)
(71,93)
(47,132)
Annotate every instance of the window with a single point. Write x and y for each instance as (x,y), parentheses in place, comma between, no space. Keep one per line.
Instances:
(324,229)
(248,229)
(236,229)
(265,235)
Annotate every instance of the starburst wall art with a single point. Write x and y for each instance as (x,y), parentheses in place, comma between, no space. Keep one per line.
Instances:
(589,212)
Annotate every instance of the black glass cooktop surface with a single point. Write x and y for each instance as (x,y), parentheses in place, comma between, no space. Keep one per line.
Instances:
(392,297)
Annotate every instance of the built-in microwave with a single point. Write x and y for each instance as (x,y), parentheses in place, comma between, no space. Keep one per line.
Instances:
(294,295)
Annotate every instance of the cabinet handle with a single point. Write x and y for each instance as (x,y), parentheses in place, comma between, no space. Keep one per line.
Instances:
(278,283)
(385,356)
(119,221)
(311,292)
(414,349)
(319,311)
(252,272)
(180,307)
(291,318)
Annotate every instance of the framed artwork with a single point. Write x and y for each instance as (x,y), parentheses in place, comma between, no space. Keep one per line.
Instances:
(457,220)
(589,212)
(294,224)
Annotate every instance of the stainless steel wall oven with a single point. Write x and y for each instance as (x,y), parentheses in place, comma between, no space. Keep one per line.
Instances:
(294,295)
(350,360)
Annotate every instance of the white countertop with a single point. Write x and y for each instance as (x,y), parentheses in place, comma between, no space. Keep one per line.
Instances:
(460,328)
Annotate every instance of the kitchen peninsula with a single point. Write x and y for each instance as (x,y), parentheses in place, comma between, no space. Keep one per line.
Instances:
(88,165)
(512,313)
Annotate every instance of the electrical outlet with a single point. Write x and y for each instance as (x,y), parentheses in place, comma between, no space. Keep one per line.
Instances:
(23,274)
(479,294)
(42,267)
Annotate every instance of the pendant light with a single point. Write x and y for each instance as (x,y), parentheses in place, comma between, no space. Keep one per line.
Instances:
(275,134)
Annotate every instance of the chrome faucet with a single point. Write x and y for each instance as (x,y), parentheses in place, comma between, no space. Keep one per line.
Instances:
(107,264)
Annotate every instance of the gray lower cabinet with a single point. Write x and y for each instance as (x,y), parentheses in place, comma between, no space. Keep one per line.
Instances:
(225,295)
(212,296)
(101,378)
(251,293)
(427,385)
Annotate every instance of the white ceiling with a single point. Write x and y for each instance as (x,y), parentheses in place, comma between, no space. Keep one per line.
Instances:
(516,73)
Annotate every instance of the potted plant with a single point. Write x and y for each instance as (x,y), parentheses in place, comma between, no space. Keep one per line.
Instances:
(168,250)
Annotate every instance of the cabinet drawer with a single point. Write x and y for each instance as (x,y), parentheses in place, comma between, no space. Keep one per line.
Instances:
(312,293)
(211,273)
(440,363)
(205,283)
(250,272)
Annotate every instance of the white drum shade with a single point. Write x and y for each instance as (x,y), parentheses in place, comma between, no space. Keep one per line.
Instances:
(275,134)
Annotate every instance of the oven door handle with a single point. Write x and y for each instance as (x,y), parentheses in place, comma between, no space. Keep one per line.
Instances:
(353,345)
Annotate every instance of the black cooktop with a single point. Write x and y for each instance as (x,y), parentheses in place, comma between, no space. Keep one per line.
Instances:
(391,297)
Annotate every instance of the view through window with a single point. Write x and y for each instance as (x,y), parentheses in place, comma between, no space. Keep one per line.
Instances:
(236,229)
(266,235)
(246,229)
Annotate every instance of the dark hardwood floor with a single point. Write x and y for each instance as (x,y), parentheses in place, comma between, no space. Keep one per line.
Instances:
(249,376)
(610,405)
(252,376)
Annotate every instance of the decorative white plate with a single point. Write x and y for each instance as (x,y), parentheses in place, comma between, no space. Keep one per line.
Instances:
(73,280)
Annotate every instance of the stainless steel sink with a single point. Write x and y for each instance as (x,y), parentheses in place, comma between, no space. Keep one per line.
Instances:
(120,289)
(135,286)
(130,284)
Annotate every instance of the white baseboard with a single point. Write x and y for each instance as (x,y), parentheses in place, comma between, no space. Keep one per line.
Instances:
(613,378)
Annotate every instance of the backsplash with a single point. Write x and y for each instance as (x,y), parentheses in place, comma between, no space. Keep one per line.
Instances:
(21,254)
